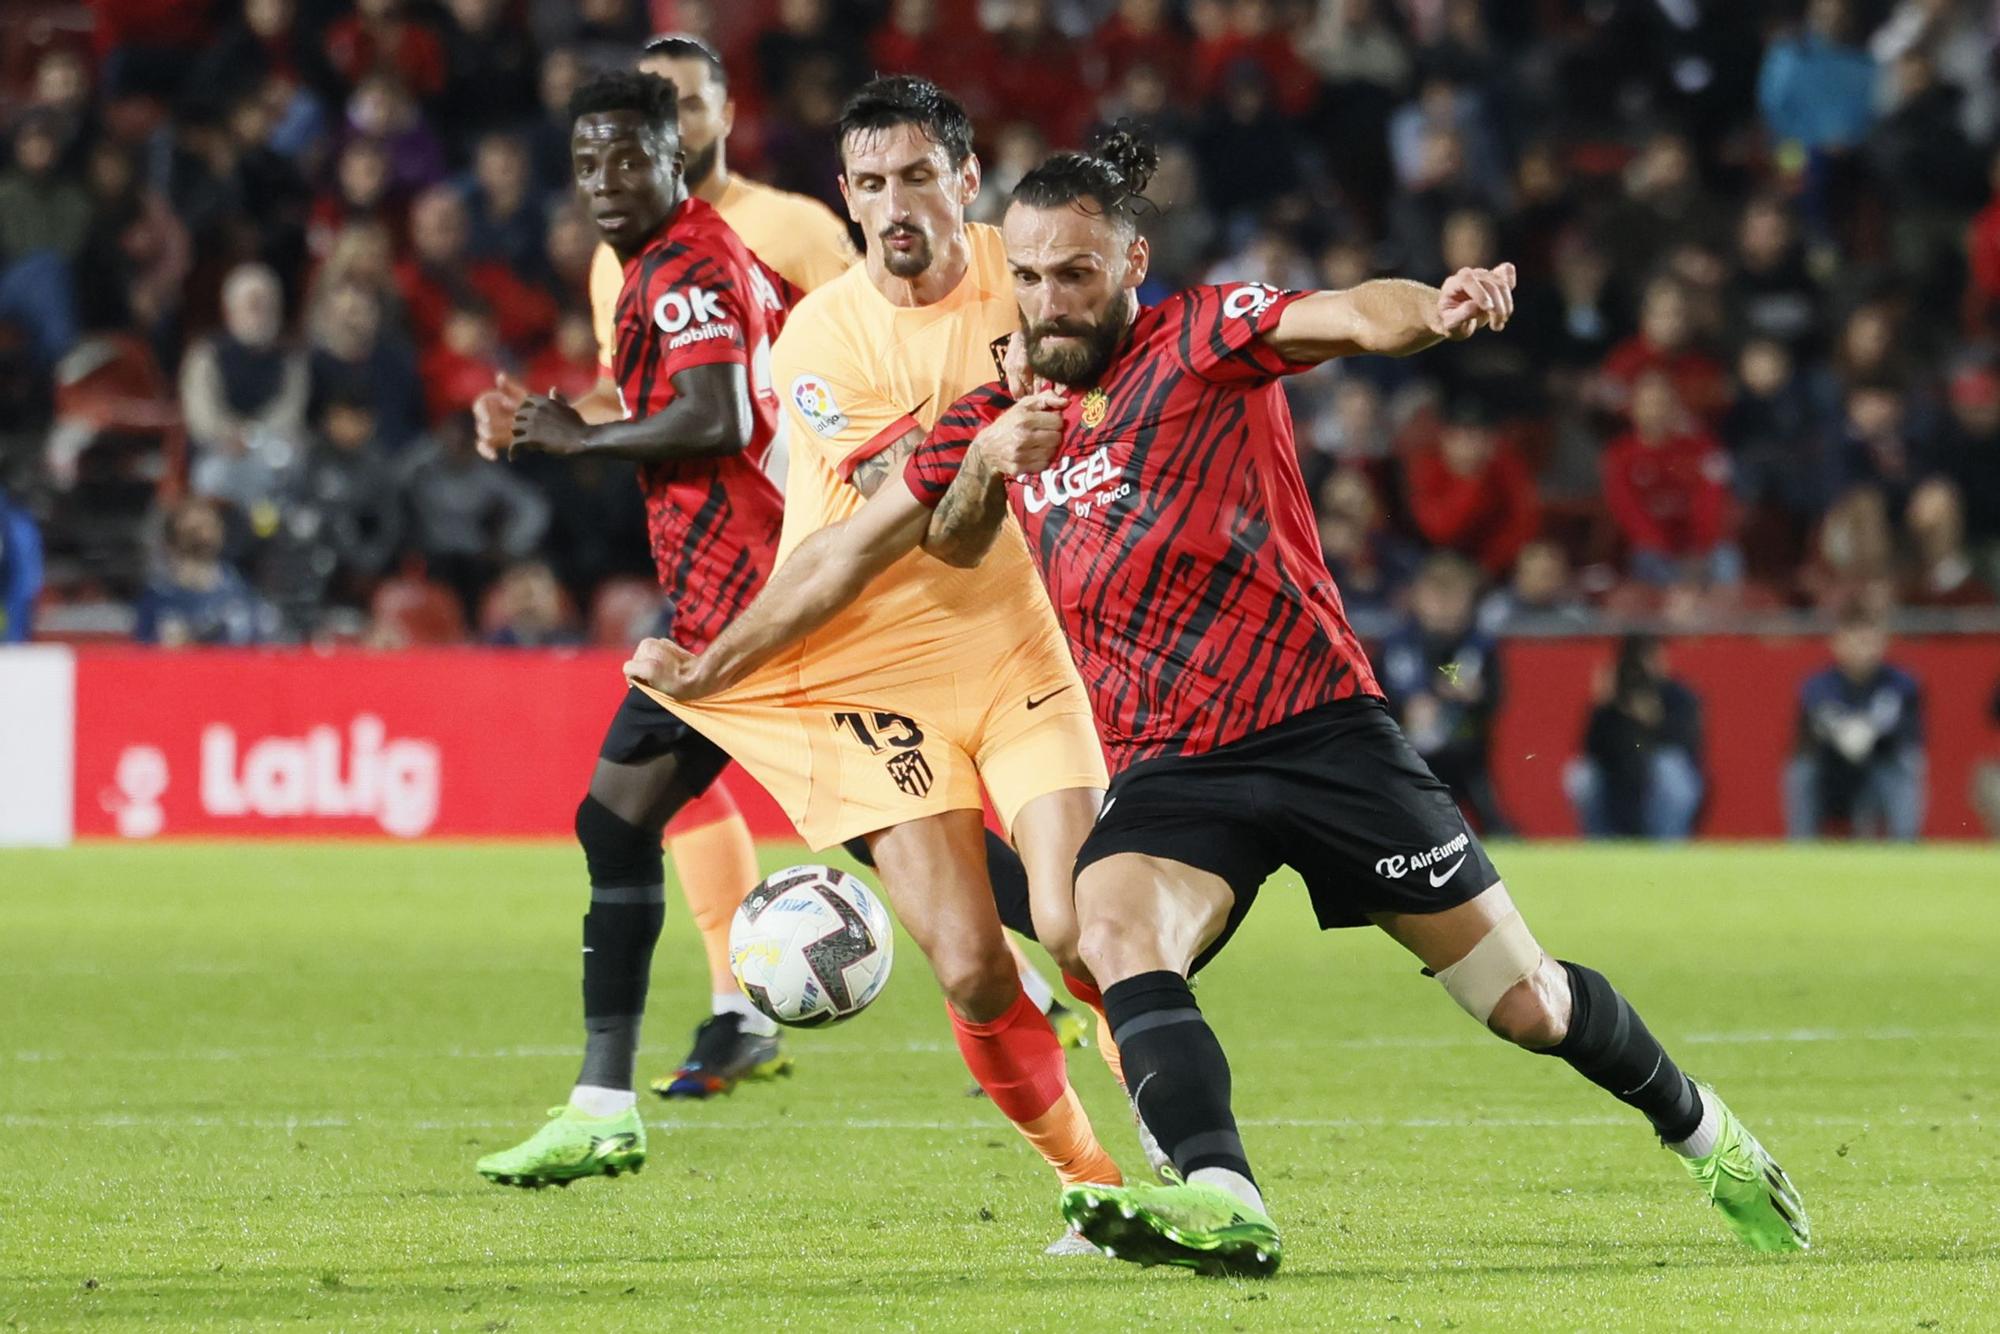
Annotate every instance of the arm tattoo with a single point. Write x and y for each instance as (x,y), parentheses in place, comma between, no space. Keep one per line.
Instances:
(969,515)
(870,473)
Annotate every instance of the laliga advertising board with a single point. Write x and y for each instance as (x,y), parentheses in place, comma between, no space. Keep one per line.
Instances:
(234,743)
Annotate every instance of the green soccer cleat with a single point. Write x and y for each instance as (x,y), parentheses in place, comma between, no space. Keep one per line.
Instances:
(1072,1027)
(568,1146)
(1756,1198)
(1194,1226)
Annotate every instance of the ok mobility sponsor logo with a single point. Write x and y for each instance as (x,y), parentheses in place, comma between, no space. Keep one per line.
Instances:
(1082,484)
(1400,865)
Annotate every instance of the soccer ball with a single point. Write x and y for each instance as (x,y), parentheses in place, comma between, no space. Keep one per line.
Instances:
(811,946)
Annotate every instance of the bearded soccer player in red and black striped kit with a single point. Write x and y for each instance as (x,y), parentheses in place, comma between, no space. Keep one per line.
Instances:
(1148,455)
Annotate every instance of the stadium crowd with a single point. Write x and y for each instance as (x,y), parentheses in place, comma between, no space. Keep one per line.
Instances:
(256,259)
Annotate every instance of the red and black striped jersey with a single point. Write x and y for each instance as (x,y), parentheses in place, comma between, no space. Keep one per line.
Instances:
(1174,532)
(693,297)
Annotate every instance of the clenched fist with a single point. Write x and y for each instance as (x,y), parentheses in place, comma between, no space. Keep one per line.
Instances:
(668,668)
(1026,437)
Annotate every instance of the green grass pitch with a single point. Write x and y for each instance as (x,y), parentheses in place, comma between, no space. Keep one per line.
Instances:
(244,1086)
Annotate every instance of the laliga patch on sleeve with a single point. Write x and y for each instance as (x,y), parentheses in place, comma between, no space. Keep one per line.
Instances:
(813,397)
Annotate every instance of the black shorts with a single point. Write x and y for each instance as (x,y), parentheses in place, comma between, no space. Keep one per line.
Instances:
(642,730)
(1336,793)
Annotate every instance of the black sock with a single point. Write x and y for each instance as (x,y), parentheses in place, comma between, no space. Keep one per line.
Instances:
(1609,1045)
(1010,886)
(1003,868)
(619,933)
(1176,1071)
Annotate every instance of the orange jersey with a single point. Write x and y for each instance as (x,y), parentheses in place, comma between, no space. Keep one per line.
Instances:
(796,237)
(854,373)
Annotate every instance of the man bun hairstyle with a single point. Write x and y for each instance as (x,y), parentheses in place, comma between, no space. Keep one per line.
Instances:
(651,96)
(1109,180)
(904,99)
(687,46)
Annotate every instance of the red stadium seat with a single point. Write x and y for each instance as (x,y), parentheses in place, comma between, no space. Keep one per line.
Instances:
(407,612)
(622,612)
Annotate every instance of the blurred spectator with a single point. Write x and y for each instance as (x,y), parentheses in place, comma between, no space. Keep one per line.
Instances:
(468,517)
(40,208)
(568,365)
(1968,452)
(379,35)
(1142,32)
(1817,89)
(1941,572)
(548,133)
(1640,774)
(1442,676)
(1982,255)
(806,34)
(343,518)
(136,256)
(1248,39)
(528,610)
(1665,203)
(1540,598)
(198,598)
(1570,323)
(1471,493)
(1876,448)
(1854,554)
(1351,42)
(1028,70)
(243,390)
(1958,39)
(355,357)
(1666,482)
(1369,562)
(1249,152)
(1666,343)
(441,276)
(1773,432)
(506,223)
(20,570)
(1772,295)
(362,192)
(464,363)
(383,110)
(1860,757)
(489,69)
(1019,149)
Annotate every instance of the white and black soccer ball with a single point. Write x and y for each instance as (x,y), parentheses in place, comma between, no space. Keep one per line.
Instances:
(811,945)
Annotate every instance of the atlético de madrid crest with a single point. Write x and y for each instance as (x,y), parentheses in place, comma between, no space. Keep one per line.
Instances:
(1095,404)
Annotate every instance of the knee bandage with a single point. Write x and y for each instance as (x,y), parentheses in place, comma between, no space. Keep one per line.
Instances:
(1505,957)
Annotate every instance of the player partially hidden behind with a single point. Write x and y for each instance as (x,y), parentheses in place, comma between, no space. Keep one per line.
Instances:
(1161,498)
(695,322)
(714,858)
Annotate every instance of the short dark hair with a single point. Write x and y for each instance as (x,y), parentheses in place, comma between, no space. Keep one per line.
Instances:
(905,99)
(687,46)
(629,90)
(1110,180)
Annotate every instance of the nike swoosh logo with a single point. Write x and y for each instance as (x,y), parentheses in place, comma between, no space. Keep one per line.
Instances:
(1437,879)
(1034,703)
(1105,809)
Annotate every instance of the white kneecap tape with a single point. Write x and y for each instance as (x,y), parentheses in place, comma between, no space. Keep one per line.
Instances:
(1505,957)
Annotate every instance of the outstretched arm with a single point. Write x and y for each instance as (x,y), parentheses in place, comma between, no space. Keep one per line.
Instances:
(709,416)
(1393,316)
(823,574)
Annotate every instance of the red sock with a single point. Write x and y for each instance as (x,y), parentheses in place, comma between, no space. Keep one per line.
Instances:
(1019,1063)
(1106,1048)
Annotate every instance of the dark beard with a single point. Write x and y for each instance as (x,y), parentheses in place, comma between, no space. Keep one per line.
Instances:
(907,264)
(1083,361)
(701,166)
